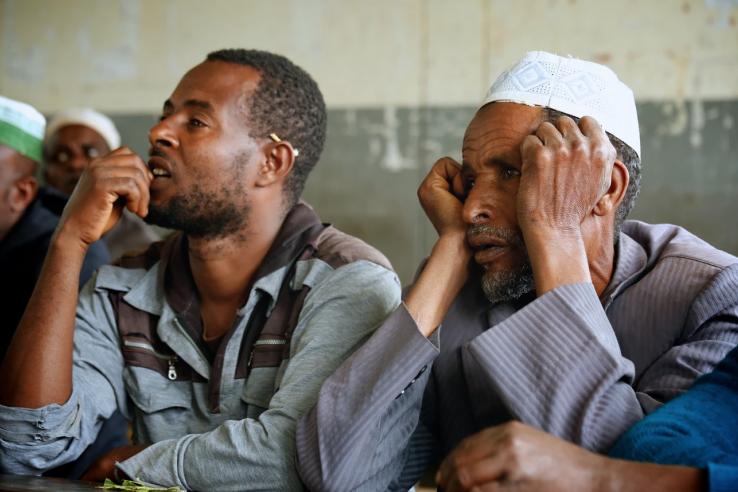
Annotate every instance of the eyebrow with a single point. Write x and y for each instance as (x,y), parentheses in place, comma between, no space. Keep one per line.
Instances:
(190,103)
(501,161)
(492,161)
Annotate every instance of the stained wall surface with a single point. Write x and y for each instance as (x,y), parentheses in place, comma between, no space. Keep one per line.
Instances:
(402,78)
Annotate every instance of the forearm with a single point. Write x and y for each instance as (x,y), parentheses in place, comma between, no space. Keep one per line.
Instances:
(561,344)
(439,283)
(353,437)
(630,476)
(38,366)
(556,259)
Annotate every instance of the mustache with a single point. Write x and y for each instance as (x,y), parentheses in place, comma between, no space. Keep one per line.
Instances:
(510,236)
(155,152)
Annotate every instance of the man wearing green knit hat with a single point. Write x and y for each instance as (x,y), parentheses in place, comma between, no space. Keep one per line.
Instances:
(25,225)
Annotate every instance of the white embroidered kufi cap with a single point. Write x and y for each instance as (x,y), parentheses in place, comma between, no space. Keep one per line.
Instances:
(572,86)
(86,117)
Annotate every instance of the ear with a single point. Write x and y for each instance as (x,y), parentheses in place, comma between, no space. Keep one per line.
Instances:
(22,194)
(610,201)
(277,165)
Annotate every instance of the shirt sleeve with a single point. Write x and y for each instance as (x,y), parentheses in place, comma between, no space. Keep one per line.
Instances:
(355,438)
(557,365)
(35,440)
(97,256)
(338,315)
(696,429)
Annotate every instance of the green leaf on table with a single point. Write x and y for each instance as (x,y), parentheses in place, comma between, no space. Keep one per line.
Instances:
(136,486)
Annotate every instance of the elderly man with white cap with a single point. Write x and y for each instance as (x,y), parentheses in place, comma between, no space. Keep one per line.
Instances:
(74,137)
(538,302)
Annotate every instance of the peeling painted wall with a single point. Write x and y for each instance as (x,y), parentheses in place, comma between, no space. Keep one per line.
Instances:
(402,78)
(364,54)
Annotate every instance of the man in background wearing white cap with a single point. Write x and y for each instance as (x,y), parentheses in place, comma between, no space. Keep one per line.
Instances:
(26,225)
(75,137)
(567,319)
(26,228)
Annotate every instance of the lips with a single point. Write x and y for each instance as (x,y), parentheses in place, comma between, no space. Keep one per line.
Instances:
(487,249)
(159,167)
(490,242)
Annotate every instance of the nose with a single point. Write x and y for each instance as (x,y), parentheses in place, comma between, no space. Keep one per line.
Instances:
(477,207)
(77,162)
(162,134)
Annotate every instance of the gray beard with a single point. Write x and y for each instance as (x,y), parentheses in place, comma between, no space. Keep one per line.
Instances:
(508,285)
(502,286)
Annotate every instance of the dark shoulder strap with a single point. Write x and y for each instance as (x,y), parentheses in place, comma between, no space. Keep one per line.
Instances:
(267,342)
(140,342)
(130,319)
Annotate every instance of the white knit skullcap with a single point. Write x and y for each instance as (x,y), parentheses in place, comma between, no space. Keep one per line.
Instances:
(86,117)
(572,86)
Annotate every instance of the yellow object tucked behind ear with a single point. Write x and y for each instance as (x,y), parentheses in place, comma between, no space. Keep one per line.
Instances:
(276,138)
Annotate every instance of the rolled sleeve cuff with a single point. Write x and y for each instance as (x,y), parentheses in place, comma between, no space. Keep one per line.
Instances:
(21,425)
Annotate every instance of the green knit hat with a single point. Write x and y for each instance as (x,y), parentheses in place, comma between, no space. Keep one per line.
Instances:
(21,128)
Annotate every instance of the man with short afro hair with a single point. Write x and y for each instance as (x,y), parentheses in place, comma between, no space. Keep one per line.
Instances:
(287,102)
(214,342)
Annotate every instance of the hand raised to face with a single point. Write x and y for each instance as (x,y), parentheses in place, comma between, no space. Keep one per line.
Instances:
(441,194)
(120,179)
(566,169)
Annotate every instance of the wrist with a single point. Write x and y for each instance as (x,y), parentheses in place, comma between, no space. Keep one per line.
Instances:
(67,241)
(454,246)
(558,257)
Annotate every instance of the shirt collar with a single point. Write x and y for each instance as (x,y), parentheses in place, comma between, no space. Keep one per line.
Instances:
(630,260)
(173,275)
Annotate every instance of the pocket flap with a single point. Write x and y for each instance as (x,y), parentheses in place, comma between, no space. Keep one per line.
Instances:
(151,392)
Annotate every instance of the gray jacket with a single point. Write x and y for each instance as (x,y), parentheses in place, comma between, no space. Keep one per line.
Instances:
(581,367)
(246,441)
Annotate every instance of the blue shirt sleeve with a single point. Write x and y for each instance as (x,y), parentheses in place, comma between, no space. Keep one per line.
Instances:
(97,256)
(697,429)
(722,478)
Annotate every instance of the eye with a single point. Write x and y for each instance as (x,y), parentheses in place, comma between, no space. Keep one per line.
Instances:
(509,172)
(469,184)
(61,157)
(196,123)
(92,152)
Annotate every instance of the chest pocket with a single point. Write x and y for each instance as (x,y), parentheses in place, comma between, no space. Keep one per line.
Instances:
(161,409)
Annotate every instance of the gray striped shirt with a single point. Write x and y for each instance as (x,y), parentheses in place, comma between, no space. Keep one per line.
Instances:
(581,367)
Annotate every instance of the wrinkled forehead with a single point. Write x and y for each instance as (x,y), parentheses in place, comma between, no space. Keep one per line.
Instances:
(501,124)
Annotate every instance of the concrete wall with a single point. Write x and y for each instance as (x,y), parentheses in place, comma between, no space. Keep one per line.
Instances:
(402,79)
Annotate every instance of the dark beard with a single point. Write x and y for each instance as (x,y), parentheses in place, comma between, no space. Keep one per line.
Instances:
(201,215)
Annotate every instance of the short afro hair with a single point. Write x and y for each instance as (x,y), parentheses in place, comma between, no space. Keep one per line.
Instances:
(287,102)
